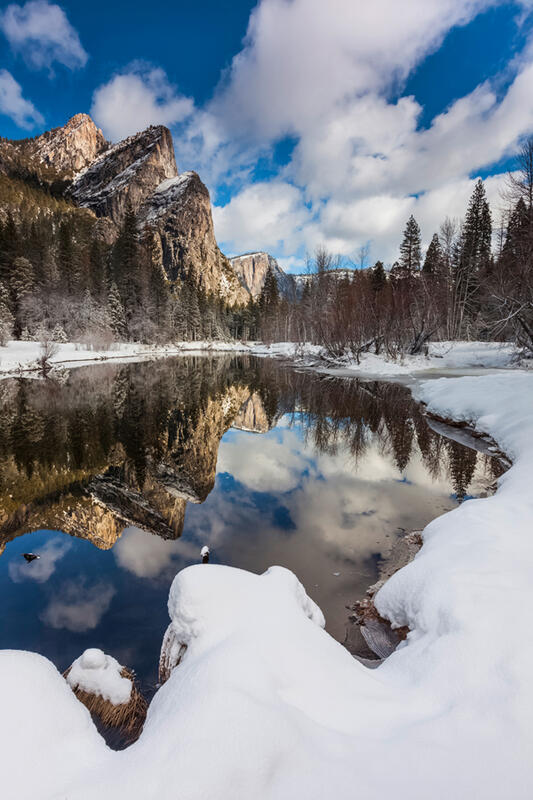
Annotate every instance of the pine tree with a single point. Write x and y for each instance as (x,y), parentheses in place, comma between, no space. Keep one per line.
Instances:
(21,284)
(58,334)
(65,255)
(269,297)
(116,312)
(6,317)
(516,228)
(9,248)
(178,317)
(410,248)
(127,267)
(194,319)
(474,257)
(97,268)
(378,276)
(433,261)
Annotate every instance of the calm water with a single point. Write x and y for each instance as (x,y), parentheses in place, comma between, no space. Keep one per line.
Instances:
(118,476)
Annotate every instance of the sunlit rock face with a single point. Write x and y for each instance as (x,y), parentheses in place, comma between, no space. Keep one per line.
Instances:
(191,463)
(87,520)
(138,173)
(252,416)
(179,213)
(60,152)
(141,173)
(72,147)
(71,511)
(251,269)
(126,174)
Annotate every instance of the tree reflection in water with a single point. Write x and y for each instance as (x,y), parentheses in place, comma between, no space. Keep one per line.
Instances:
(314,473)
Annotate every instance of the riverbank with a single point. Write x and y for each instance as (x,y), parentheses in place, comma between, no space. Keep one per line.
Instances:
(17,357)
(441,357)
(22,357)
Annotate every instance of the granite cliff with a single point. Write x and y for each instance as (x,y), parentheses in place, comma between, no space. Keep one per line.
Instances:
(251,269)
(179,213)
(125,174)
(76,163)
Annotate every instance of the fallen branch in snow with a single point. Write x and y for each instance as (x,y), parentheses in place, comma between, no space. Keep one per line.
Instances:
(377,631)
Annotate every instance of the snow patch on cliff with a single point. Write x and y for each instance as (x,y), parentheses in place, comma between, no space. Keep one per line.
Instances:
(168,192)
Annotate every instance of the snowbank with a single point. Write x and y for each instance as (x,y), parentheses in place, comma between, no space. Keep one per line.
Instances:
(17,356)
(266,705)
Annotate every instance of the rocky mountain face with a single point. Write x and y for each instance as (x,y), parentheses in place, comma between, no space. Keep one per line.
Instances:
(126,174)
(140,173)
(252,416)
(179,213)
(251,269)
(99,506)
(71,148)
(57,154)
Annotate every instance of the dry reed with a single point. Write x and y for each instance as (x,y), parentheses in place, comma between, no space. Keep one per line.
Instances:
(127,717)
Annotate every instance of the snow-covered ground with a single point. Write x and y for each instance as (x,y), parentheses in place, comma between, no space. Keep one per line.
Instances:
(266,705)
(441,356)
(17,356)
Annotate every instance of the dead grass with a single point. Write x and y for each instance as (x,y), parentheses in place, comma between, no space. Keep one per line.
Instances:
(128,717)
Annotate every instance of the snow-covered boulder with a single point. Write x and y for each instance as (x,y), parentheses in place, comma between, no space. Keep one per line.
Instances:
(96,673)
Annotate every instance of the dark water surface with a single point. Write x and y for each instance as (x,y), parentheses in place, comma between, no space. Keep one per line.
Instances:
(118,475)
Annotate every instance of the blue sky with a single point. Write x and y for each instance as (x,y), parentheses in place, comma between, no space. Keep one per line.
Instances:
(310,121)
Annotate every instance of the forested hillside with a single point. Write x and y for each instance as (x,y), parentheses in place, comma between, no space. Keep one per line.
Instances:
(67,273)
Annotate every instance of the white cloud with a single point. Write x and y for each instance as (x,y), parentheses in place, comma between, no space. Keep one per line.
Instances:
(41,32)
(133,100)
(329,75)
(150,556)
(40,569)
(262,463)
(77,607)
(324,73)
(306,57)
(263,216)
(14,105)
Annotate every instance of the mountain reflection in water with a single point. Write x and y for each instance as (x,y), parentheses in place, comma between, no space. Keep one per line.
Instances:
(264,464)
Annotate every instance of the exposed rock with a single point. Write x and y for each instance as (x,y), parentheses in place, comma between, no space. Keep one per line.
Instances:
(252,416)
(87,520)
(106,230)
(189,468)
(306,278)
(126,173)
(139,172)
(251,269)
(152,510)
(179,212)
(55,154)
(72,147)
(98,505)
